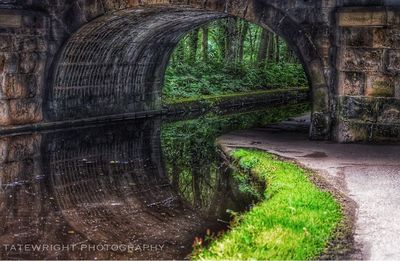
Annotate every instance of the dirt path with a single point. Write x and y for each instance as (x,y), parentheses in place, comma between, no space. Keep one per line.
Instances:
(368,174)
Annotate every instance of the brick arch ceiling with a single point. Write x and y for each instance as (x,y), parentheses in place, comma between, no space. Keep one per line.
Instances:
(115,64)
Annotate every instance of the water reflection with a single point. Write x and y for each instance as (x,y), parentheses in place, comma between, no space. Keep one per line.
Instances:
(108,192)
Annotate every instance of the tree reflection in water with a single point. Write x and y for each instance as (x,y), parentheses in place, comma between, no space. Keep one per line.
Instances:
(107,185)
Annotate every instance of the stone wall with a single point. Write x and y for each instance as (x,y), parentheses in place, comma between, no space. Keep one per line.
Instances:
(368,74)
(23,54)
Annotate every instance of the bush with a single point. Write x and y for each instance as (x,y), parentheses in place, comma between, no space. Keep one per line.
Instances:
(184,81)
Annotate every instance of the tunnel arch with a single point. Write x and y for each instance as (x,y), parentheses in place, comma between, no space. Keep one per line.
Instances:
(115,64)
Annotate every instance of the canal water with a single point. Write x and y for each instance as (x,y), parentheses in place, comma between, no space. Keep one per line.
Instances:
(133,190)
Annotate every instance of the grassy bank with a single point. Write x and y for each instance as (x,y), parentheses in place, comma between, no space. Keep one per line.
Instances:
(295,221)
(238,95)
(228,103)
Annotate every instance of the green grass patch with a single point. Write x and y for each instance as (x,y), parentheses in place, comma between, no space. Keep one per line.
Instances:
(294,221)
(215,98)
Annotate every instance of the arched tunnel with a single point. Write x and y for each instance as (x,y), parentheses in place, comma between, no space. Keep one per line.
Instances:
(116,63)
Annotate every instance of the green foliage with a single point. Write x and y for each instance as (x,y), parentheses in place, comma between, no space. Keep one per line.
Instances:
(189,146)
(247,185)
(248,164)
(285,75)
(218,74)
(295,222)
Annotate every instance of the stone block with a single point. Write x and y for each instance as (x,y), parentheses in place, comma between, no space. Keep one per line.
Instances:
(393,17)
(236,7)
(2,63)
(352,83)
(397,86)
(16,86)
(380,85)
(362,18)
(10,20)
(9,62)
(25,111)
(353,131)
(389,111)
(28,62)
(386,38)
(324,47)
(320,126)
(362,60)
(4,112)
(5,43)
(320,98)
(393,62)
(364,109)
(357,36)
(316,71)
(4,148)
(27,43)
(385,132)
(35,21)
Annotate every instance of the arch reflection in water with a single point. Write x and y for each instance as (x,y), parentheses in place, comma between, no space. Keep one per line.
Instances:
(103,185)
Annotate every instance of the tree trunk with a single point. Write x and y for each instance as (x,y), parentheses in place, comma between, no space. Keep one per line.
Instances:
(263,47)
(277,54)
(175,177)
(271,47)
(243,34)
(219,38)
(196,179)
(230,30)
(193,45)
(205,43)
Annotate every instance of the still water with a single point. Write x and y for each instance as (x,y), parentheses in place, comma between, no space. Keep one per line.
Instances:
(134,190)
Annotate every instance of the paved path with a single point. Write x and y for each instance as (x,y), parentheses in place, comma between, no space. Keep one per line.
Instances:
(368,174)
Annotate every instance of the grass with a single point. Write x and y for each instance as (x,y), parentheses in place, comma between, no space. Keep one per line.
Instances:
(175,100)
(294,221)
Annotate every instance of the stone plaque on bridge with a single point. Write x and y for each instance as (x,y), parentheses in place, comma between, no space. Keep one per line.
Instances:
(10,20)
(360,18)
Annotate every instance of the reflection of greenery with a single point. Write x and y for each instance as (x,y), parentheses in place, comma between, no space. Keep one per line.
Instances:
(247,186)
(294,222)
(190,153)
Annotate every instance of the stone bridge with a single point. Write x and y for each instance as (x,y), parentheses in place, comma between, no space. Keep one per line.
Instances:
(63,61)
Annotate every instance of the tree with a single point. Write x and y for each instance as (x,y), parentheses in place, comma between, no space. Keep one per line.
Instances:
(277,51)
(244,26)
(230,41)
(205,43)
(193,45)
(263,47)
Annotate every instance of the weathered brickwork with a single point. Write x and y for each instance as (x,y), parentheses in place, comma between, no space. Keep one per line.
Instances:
(368,67)
(68,60)
(23,55)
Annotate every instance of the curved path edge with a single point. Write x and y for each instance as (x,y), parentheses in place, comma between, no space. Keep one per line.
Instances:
(363,178)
